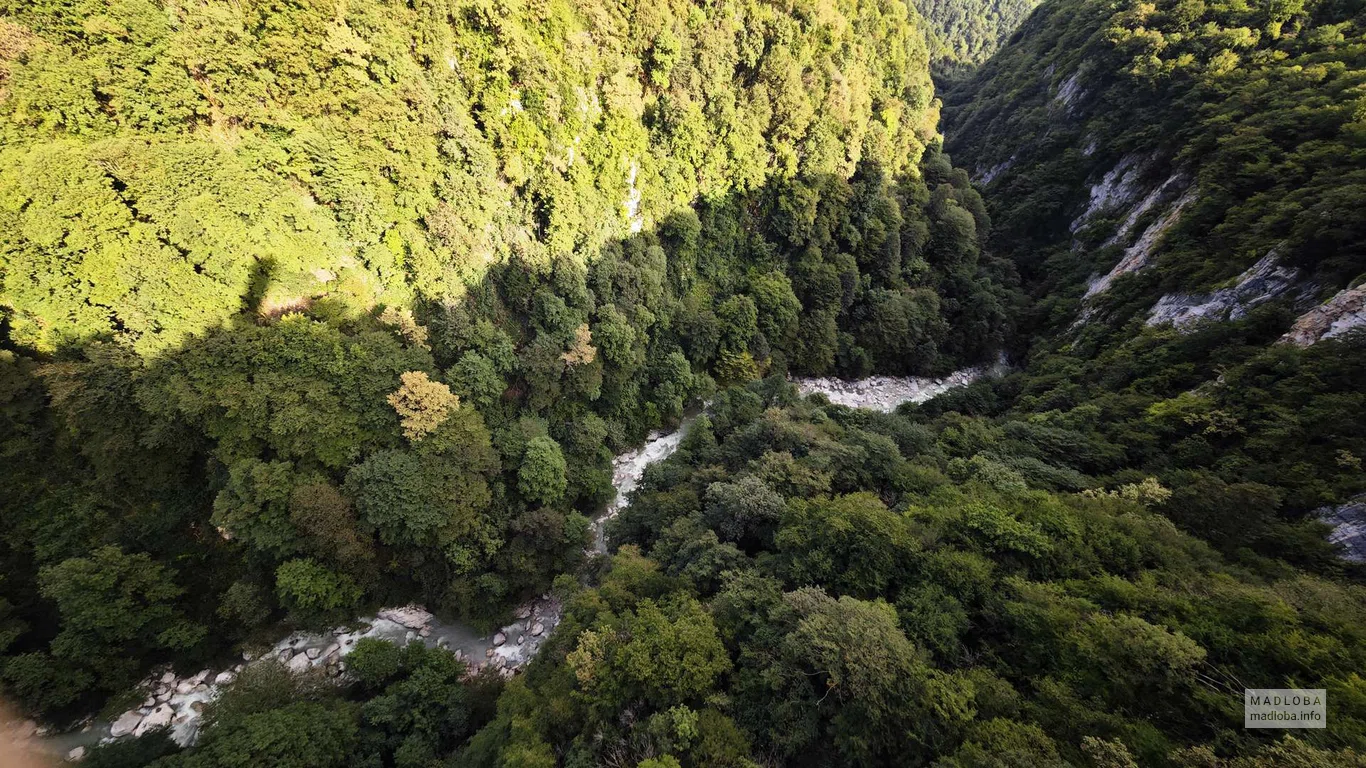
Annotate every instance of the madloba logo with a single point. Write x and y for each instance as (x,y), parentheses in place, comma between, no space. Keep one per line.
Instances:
(1285,708)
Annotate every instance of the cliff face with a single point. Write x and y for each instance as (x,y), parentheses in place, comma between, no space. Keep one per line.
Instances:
(1175,166)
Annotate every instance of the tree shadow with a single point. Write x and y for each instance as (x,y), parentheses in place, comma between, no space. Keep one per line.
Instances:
(271,440)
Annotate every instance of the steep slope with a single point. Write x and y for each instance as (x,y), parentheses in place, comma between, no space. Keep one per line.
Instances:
(1183,188)
(1198,139)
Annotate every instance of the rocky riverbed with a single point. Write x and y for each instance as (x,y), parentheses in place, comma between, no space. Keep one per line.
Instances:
(628,469)
(177,703)
(885,393)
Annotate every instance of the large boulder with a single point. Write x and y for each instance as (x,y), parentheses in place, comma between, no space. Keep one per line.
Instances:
(299,663)
(157,718)
(126,724)
(410,616)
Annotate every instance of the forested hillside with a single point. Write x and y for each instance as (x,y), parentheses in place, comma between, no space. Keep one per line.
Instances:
(965,33)
(1183,187)
(313,306)
(1102,120)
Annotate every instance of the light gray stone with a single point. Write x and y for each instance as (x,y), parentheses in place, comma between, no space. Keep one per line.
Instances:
(299,663)
(1349,528)
(157,718)
(126,724)
(410,616)
(1340,314)
(1261,283)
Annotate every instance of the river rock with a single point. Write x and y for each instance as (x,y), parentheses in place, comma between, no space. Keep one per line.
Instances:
(157,718)
(168,678)
(126,724)
(299,663)
(488,654)
(184,687)
(524,612)
(75,754)
(224,678)
(313,653)
(410,616)
(537,629)
(150,701)
(202,675)
(499,639)
(521,639)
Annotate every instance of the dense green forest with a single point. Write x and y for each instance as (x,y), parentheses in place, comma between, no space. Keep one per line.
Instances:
(965,33)
(310,307)
(1258,110)
(359,311)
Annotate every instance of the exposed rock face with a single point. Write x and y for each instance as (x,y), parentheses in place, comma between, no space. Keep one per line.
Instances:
(1164,191)
(1117,188)
(1070,90)
(632,201)
(1338,315)
(1349,528)
(985,177)
(1137,255)
(1262,283)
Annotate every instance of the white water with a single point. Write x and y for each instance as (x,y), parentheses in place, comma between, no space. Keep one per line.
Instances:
(628,469)
(885,393)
